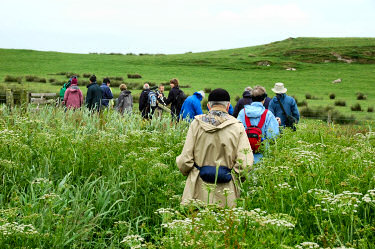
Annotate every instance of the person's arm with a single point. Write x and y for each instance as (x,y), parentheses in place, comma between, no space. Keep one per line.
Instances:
(185,161)
(109,93)
(170,97)
(294,110)
(245,157)
(88,98)
(272,126)
(141,102)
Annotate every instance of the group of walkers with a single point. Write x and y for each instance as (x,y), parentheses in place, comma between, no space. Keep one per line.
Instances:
(221,148)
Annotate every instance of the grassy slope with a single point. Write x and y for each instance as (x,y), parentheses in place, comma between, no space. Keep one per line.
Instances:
(231,69)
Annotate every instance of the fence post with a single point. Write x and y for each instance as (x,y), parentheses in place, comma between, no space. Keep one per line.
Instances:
(9,98)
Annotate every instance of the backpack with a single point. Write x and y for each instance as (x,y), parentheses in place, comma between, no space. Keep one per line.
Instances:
(152,99)
(254,132)
(180,99)
(63,90)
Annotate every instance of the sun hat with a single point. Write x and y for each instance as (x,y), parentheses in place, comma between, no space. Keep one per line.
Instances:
(201,93)
(279,88)
(219,94)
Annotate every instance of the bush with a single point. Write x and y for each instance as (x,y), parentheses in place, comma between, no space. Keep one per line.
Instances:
(31,78)
(322,113)
(340,103)
(116,83)
(185,86)
(51,80)
(237,98)
(204,104)
(332,96)
(133,86)
(86,75)
(134,76)
(302,103)
(116,78)
(70,74)
(361,96)
(308,96)
(370,109)
(42,80)
(356,108)
(9,78)
(207,90)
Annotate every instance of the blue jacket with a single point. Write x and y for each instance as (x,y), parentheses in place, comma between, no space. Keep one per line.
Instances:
(270,128)
(191,107)
(107,94)
(289,104)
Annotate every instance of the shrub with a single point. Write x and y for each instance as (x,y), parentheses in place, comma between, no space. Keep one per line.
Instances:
(361,96)
(51,80)
(237,98)
(340,103)
(31,78)
(332,96)
(322,113)
(207,90)
(86,75)
(133,85)
(370,109)
(116,83)
(42,80)
(204,104)
(134,76)
(9,78)
(70,74)
(302,103)
(118,78)
(308,96)
(356,108)
(185,86)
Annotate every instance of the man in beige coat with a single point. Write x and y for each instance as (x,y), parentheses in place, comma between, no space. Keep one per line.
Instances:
(215,139)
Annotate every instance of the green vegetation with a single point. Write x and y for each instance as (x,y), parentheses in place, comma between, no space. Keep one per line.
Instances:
(318,61)
(75,180)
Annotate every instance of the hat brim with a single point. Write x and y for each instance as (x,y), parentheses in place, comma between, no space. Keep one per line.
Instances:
(282,91)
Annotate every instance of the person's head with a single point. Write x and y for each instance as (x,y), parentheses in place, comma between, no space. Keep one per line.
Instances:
(173,82)
(248,89)
(123,87)
(146,86)
(74,81)
(279,88)
(161,88)
(219,97)
(92,78)
(201,93)
(259,94)
(106,81)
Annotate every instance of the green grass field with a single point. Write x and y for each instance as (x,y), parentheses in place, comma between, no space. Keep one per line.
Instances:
(233,69)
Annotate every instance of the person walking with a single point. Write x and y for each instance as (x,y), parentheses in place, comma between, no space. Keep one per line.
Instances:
(175,98)
(73,97)
(257,115)
(192,106)
(106,92)
(94,95)
(284,107)
(144,106)
(125,101)
(160,102)
(215,139)
(245,100)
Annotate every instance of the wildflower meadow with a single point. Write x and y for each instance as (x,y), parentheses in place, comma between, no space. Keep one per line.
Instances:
(82,180)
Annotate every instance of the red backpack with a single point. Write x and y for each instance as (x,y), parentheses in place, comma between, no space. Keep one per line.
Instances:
(254,132)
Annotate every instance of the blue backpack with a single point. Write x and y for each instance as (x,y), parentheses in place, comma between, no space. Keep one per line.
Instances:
(152,99)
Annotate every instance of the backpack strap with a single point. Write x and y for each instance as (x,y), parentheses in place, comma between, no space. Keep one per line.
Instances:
(247,119)
(262,119)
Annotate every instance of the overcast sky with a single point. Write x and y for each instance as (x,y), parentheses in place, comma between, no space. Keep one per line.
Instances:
(175,26)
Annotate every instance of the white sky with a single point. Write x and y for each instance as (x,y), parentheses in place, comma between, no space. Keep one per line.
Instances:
(175,26)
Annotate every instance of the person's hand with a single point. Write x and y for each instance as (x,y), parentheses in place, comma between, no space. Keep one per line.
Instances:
(278,120)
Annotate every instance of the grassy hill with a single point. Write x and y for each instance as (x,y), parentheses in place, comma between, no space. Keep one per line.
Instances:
(318,61)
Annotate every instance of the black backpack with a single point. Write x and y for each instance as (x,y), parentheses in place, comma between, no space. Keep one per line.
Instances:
(180,98)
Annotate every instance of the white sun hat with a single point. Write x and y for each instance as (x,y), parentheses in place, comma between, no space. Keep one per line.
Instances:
(202,93)
(279,88)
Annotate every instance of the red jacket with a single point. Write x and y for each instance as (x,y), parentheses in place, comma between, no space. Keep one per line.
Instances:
(73,97)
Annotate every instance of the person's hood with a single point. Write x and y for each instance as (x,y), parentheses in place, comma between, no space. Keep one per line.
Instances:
(74,88)
(199,95)
(246,94)
(125,92)
(215,120)
(254,110)
(91,84)
(281,96)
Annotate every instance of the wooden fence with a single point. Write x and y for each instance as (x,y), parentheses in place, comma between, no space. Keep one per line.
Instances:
(19,97)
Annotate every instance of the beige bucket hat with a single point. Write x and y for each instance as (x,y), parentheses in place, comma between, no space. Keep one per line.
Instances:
(279,88)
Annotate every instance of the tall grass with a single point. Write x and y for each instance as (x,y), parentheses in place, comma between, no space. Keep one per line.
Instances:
(82,180)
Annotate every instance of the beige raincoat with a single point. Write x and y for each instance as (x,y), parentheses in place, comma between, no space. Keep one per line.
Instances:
(214,138)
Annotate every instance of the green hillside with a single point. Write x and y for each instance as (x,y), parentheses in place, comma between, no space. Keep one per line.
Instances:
(318,61)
